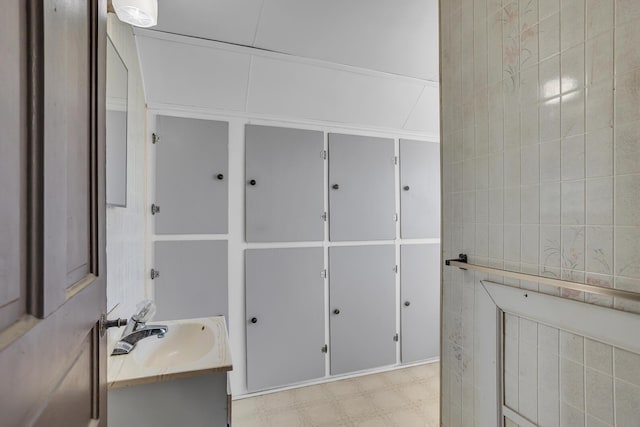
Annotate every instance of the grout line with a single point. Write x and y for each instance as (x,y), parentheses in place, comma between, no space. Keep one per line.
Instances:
(561,182)
(559,380)
(584,372)
(613,237)
(539,174)
(502,149)
(584,176)
(614,262)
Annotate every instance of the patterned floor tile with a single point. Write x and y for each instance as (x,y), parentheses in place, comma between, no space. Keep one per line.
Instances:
(407,397)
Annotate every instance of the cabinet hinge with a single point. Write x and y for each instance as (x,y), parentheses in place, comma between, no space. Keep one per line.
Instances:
(324,216)
(325,348)
(395,160)
(155,209)
(155,138)
(396,337)
(324,154)
(154,274)
(395,217)
(395,268)
(323,273)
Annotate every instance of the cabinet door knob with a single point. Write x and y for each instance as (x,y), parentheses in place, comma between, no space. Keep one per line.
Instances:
(220,176)
(254,320)
(252,182)
(336,311)
(407,303)
(405,188)
(335,186)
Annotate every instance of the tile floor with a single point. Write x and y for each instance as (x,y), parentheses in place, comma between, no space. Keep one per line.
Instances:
(407,397)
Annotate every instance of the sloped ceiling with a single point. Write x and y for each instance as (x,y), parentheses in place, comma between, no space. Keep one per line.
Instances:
(394,36)
(180,71)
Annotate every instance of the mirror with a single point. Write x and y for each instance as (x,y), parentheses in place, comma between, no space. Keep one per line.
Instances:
(116,123)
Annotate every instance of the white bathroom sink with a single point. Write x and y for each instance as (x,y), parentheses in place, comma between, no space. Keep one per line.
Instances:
(190,347)
(184,343)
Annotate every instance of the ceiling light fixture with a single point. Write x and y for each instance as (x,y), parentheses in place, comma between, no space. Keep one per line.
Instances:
(141,13)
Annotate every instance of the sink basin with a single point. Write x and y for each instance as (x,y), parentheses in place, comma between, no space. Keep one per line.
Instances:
(183,344)
(191,347)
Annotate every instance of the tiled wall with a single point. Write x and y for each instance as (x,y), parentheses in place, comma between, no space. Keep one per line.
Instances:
(126,226)
(541,156)
(554,378)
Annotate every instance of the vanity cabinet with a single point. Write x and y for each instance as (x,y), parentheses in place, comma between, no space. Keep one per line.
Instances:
(191,279)
(284,316)
(419,302)
(361,188)
(362,295)
(195,401)
(179,380)
(419,189)
(284,184)
(191,162)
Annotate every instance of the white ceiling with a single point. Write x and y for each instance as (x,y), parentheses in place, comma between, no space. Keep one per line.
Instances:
(394,36)
(181,71)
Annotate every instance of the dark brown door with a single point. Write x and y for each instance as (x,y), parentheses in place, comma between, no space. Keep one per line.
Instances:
(52,233)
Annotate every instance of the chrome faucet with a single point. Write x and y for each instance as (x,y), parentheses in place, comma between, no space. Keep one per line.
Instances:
(137,329)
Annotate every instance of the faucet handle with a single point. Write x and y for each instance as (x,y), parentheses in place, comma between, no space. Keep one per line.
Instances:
(106,324)
(146,309)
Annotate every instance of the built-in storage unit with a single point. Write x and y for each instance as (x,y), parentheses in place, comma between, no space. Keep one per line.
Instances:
(420,301)
(190,279)
(363,307)
(191,191)
(285,316)
(419,189)
(284,184)
(180,380)
(361,188)
(339,232)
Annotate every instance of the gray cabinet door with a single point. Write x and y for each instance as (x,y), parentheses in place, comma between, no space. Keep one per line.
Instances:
(362,296)
(419,189)
(191,176)
(420,288)
(361,188)
(197,401)
(284,184)
(285,316)
(192,279)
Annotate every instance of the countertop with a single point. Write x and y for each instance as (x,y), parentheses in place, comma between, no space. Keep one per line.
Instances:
(131,369)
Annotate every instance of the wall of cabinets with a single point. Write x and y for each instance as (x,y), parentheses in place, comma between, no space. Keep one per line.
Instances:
(321,246)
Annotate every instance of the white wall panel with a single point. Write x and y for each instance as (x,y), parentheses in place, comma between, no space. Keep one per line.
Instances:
(307,91)
(233,21)
(126,271)
(425,116)
(193,75)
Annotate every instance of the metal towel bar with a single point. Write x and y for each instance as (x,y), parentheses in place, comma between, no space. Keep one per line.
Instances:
(462,263)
